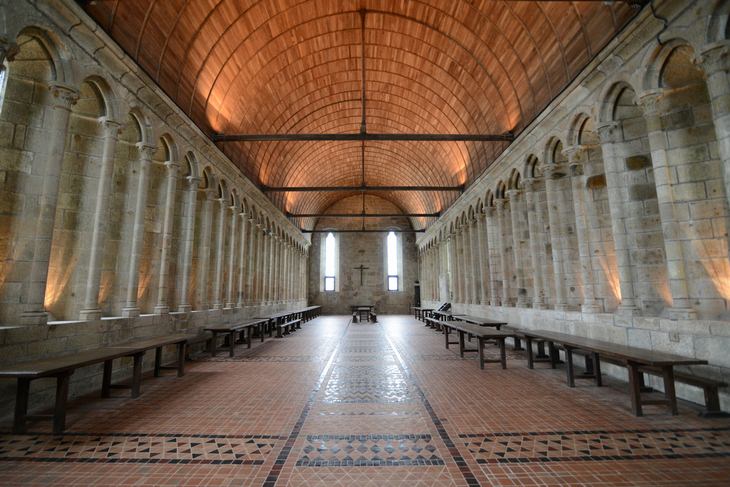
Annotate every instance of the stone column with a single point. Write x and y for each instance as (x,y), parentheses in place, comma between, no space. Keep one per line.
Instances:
(49,163)
(206,221)
(233,251)
(451,262)
(263,279)
(131,308)
(253,259)
(219,254)
(665,180)
(244,249)
(610,135)
(274,282)
(501,227)
(285,273)
(91,309)
(475,262)
(460,265)
(171,175)
(715,61)
(483,247)
(191,193)
(516,214)
(537,243)
(581,199)
(553,172)
(493,246)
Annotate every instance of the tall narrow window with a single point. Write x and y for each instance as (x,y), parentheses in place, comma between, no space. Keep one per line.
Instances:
(392,249)
(329,262)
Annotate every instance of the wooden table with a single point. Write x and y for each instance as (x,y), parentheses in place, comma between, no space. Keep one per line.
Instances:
(61,368)
(419,312)
(482,334)
(632,358)
(476,320)
(442,315)
(362,310)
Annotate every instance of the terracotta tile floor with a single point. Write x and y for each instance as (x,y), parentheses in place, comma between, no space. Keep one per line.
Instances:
(342,404)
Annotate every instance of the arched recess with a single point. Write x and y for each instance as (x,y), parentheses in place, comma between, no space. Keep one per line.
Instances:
(188,174)
(76,203)
(26,98)
(640,252)
(692,166)
(597,213)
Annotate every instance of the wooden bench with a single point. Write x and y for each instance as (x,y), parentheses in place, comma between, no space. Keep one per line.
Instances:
(287,327)
(633,358)
(61,368)
(476,320)
(229,331)
(434,323)
(482,334)
(710,387)
(310,312)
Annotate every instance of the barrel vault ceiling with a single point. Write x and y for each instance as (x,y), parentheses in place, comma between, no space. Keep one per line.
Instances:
(294,66)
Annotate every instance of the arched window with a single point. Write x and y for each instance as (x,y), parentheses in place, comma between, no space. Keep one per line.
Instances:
(329,262)
(392,255)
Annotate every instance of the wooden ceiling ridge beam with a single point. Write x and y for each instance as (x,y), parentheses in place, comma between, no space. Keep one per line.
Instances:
(363,215)
(366,230)
(363,137)
(314,189)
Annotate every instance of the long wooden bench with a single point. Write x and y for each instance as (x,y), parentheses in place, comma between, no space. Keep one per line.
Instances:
(434,323)
(311,312)
(287,327)
(61,368)
(634,359)
(482,334)
(479,321)
(230,331)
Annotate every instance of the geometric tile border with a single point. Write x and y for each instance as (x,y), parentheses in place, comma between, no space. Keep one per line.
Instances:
(368,451)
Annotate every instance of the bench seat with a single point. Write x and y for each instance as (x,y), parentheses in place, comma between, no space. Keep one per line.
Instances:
(230,330)
(288,327)
(482,334)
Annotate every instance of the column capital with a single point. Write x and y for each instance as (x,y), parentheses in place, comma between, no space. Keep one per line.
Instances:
(8,50)
(146,151)
(513,193)
(489,211)
(714,57)
(110,127)
(499,203)
(530,184)
(554,171)
(609,132)
(64,96)
(650,101)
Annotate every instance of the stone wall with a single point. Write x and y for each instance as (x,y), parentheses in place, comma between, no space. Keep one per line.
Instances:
(368,250)
(607,217)
(118,218)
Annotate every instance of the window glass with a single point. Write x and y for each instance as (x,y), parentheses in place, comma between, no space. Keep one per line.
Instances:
(391,243)
(329,262)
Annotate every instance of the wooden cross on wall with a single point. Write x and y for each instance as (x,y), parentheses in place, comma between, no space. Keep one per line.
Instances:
(361,268)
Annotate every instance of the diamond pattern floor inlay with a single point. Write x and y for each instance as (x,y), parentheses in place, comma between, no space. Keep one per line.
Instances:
(337,403)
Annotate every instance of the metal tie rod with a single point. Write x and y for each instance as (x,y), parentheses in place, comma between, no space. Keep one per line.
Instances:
(358,137)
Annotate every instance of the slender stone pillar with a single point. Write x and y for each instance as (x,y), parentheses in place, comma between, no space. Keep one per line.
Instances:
(92,309)
(610,135)
(466,264)
(493,249)
(460,298)
(233,251)
(451,263)
(206,221)
(553,172)
(274,269)
(191,193)
(49,163)
(219,255)
(171,176)
(483,247)
(476,281)
(263,278)
(131,308)
(516,215)
(253,259)
(715,61)
(244,248)
(535,226)
(665,180)
(502,227)
(581,199)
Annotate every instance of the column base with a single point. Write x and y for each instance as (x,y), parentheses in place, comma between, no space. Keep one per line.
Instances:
(161,309)
(130,312)
(90,314)
(217,306)
(230,305)
(29,318)
(185,308)
(682,314)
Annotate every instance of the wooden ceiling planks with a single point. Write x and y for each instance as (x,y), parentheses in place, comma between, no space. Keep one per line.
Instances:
(432,66)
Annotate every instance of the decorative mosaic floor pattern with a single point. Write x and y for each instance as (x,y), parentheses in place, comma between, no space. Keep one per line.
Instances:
(341,404)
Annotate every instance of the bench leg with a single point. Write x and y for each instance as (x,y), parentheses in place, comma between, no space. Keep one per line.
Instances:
(446,336)
(21,405)
(59,410)
(597,369)
(158,361)
(231,344)
(249,336)
(137,374)
(541,350)
(635,389)
(481,352)
(461,343)
(503,353)
(671,395)
(552,351)
(181,358)
(106,380)
(569,366)
(214,345)
(530,356)
(517,343)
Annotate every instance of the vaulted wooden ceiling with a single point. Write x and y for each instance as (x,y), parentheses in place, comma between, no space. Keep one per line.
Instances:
(293,66)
